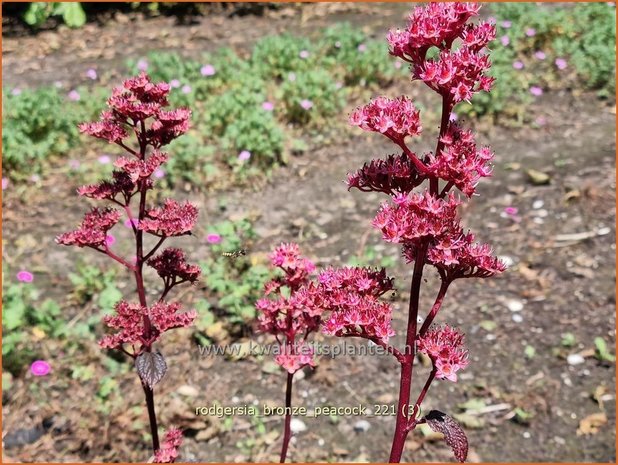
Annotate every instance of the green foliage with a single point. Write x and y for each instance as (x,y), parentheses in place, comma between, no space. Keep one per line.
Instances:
(274,57)
(584,36)
(72,13)
(23,310)
(371,256)
(236,282)
(316,86)
(39,124)
(191,160)
(602,351)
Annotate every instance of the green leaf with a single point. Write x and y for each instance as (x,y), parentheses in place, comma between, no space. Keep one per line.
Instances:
(602,351)
(73,14)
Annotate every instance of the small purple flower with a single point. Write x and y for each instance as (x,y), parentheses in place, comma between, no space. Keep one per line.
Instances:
(536,91)
(159,173)
(491,20)
(453,116)
(530,32)
(5,183)
(540,55)
(91,73)
(142,64)
(362,48)
(540,120)
(174,83)
(504,40)
(511,211)
(130,223)
(186,89)
(268,106)
(397,64)
(16,91)
(213,238)
(208,70)
(304,54)
(561,63)
(244,155)
(73,95)
(40,368)
(25,276)
(518,65)
(292,77)
(506,24)
(109,240)
(306,104)
(104,159)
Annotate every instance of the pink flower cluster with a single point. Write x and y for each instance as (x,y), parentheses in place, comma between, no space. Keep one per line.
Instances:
(129,319)
(413,217)
(172,266)
(172,219)
(457,74)
(121,183)
(396,174)
(131,105)
(459,162)
(352,296)
(93,230)
(395,118)
(445,347)
(168,453)
(287,317)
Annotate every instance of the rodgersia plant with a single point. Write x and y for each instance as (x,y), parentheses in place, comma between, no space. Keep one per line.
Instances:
(425,222)
(421,214)
(291,316)
(137,121)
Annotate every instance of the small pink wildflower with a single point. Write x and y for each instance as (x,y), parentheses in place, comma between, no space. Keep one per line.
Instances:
(292,77)
(518,65)
(110,240)
(104,159)
(40,368)
(208,70)
(35,178)
(561,63)
(91,73)
(530,32)
(268,106)
(504,40)
(174,83)
(130,223)
(16,91)
(244,155)
(511,211)
(453,116)
(304,54)
(25,276)
(159,173)
(536,91)
(74,164)
(73,95)
(506,24)
(5,183)
(142,64)
(362,48)
(397,64)
(186,89)
(540,55)
(306,104)
(213,238)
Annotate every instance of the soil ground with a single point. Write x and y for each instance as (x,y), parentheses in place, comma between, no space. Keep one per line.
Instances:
(565,284)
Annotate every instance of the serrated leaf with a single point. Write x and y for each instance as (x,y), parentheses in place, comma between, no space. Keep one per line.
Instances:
(151,367)
(454,435)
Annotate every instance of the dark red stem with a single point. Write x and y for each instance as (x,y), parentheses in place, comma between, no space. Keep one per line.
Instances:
(287,431)
(435,308)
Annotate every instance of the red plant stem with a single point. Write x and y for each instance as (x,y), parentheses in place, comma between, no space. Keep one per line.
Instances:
(413,421)
(287,431)
(139,281)
(405,382)
(435,308)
